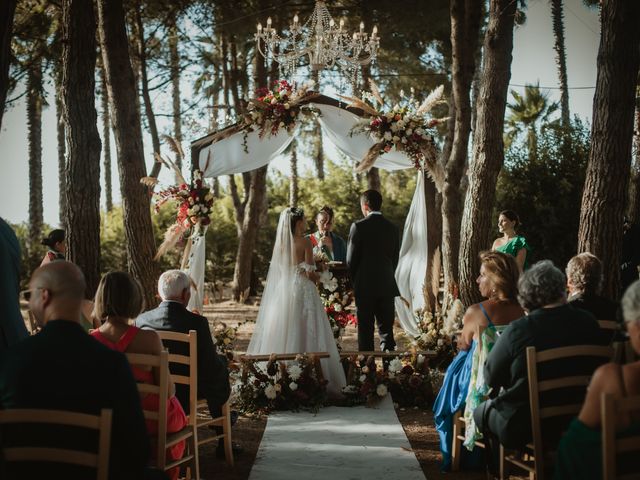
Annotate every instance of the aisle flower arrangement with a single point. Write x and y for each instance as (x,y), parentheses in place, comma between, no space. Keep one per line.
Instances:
(292,385)
(406,127)
(225,338)
(275,108)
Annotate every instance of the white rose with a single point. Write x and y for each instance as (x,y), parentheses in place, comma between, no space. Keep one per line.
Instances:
(440,342)
(395,365)
(286,106)
(409,131)
(270,392)
(281,124)
(293,386)
(363,378)
(419,131)
(381,390)
(294,372)
(396,139)
(196,208)
(387,136)
(400,124)
(394,127)
(404,140)
(349,389)
(278,387)
(337,307)
(191,200)
(274,101)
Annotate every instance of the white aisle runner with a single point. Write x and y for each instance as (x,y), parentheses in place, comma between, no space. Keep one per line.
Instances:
(338,443)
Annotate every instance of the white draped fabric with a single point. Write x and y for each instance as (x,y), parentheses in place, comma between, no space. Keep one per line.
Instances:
(228,156)
(412,266)
(195,268)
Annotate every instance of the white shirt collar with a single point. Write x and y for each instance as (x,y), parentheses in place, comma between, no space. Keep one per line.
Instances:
(374,212)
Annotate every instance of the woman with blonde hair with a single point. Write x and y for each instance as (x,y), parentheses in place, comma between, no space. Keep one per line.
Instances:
(117,301)
(462,383)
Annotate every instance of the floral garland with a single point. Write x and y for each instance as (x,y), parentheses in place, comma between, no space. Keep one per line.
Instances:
(336,298)
(194,202)
(408,379)
(406,128)
(274,108)
(281,386)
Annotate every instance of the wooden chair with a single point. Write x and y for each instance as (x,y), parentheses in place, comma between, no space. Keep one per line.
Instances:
(611,326)
(611,408)
(535,454)
(198,408)
(161,388)
(101,423)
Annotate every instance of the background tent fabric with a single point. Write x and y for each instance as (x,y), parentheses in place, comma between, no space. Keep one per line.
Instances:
(236,153)
(412,266)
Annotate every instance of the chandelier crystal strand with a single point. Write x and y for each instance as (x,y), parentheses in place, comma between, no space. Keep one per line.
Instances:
(324,43)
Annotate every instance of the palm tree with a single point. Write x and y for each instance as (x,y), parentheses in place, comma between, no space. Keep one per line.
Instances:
(7,12)
(527,113)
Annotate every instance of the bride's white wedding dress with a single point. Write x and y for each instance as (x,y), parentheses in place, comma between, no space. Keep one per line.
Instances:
(292,318)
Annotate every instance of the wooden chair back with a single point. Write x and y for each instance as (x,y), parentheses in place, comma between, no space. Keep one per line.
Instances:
(537,387)
(612,445)
(101,423)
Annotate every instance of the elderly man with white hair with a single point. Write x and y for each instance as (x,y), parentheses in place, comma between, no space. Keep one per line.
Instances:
(174,287)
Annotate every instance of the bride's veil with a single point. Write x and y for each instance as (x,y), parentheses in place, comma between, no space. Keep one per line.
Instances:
(276,307)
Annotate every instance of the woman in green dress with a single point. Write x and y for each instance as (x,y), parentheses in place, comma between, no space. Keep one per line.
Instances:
(510,242)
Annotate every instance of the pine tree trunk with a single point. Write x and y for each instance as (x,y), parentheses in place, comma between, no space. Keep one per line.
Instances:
(633,210)
(434,233)
(319,153)
(128,135)
(62,150)
(226,78)
(106,139)
(561,59)
(488,146)
(82,173)
(174,62)
(606,183)
(146,97)
(7,11)
(465,26)
(34,121)
(293,186)
(373,179)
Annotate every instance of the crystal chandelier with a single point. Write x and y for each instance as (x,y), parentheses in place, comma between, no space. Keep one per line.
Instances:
(321,40)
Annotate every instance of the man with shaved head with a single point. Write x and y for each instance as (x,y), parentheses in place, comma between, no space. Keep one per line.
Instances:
(63,368)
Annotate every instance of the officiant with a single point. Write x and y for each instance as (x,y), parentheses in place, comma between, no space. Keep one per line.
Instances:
(325,242)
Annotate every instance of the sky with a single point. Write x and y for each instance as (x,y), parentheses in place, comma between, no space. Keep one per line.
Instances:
(533,61)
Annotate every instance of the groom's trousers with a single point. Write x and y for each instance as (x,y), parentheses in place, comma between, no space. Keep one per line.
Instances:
(372,310)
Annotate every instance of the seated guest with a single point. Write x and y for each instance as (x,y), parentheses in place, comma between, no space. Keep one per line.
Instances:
(580,451)
(497,283)
(12,327)
(63,368)
(550,323)
(172,315)
(117,300)
(584,279)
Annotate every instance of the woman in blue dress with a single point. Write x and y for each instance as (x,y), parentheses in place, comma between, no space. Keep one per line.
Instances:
(497,283)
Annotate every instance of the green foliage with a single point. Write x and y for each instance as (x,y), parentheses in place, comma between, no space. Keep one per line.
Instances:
(547,192)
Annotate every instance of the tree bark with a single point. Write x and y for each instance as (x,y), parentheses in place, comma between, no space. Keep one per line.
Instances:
(633,210)
(62,150)
(373,179)
(128,135)
(561,59)
(319,150)
(465,26)
(146,97)
(174,61)
(293,186)
(607,177)
(82,173)
(7,11)
(434,233)
(488,148)
(106,139)
(34,121)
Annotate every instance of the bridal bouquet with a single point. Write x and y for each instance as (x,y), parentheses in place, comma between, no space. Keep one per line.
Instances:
(275,108)
(336,299)
(405,127)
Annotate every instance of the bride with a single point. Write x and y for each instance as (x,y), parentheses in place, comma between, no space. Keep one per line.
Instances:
(291,318)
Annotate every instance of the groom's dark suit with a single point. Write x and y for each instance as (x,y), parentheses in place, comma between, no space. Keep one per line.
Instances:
(372,256)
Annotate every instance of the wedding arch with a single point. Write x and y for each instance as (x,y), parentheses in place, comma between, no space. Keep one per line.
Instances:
(239,148)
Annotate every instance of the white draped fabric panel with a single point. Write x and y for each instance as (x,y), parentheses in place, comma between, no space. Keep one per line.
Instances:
(228,156)
(195,268)
(412,266)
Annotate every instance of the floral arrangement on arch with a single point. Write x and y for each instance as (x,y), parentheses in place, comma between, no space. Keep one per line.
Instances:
(337,297)
(193,200)
(405,127)
(275,108)
(292,385)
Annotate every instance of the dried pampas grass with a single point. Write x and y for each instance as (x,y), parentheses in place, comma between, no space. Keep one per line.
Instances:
(370,158)
(171,237)
(431,101)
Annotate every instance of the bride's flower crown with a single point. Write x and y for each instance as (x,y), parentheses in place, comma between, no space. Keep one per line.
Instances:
(296,212)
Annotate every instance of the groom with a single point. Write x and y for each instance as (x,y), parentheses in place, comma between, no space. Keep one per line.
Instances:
(372,256)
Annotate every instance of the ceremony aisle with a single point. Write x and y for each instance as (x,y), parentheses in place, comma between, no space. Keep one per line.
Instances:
(337,443)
